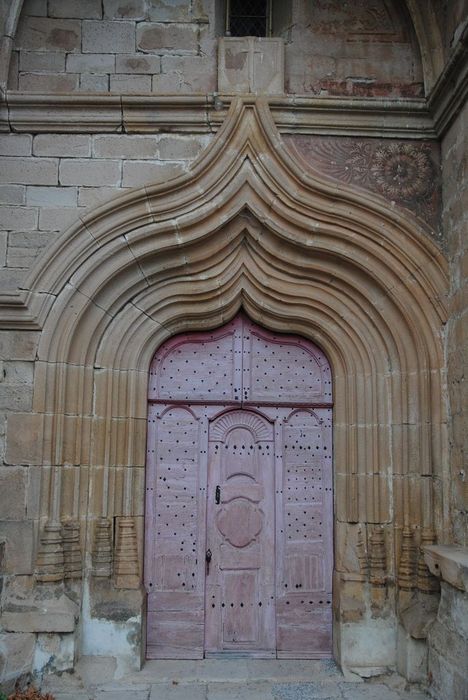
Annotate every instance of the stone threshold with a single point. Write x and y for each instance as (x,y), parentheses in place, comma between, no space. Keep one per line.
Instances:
(133,114)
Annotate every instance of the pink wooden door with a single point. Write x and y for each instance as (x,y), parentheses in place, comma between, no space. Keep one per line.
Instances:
(249,412)
(240,581)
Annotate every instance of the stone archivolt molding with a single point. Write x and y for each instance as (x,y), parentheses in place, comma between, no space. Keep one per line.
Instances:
(246,226)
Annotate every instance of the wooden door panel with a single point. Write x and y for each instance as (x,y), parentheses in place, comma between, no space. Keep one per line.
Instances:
(305,537)
(175,508)
(239,587)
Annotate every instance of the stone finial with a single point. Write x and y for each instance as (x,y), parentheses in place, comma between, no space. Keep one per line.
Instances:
(50,558)
(102,549)
(126,566)
(72,549)
(407,568)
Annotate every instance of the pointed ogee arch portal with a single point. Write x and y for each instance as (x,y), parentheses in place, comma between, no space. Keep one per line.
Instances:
(246,227)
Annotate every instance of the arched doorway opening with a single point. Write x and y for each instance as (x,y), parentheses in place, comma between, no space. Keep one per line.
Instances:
(239,506)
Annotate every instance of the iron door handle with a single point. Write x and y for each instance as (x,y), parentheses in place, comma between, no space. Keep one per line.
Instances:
(218,495)
(208,557)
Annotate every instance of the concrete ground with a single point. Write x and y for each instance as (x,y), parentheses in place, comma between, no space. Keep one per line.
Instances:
(233,679)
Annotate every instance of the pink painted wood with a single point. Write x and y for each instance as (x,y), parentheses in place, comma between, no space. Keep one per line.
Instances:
(247,411)
(240,595)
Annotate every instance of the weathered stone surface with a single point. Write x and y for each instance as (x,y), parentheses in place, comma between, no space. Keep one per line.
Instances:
(89,172)
(80,9)
(23,438)
(15,144)
(71,145)
(137,173)
(128,147)
(449,563)
(12,194)
(16,656)
(27,171)
(51,197)
(48,83)
(93,82)
(130,9)
(251,64)
(110,37)
(12,493)
(19,537)
(40,616)
(165,38)
(174,11)
(130,84)
(46,34)
(14,218)
(31,61)
(18,344)
(91,63)
(56,218)
(138,63)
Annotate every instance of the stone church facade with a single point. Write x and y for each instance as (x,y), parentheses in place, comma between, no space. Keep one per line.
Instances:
(168,168)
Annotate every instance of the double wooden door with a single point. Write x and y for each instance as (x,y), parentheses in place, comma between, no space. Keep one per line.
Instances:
(238,525)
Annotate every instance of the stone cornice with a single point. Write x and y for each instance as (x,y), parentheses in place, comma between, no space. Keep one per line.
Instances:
(451,89)
(73,113)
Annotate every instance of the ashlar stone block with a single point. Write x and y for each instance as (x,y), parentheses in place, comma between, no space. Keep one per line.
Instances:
(138,63)
(19,536)
(130,9)
(47,34)
(29,171)
(12,493)
(159,37)
(79,9)
(250,64)
(48,82)
(15,144)
(110,37)
(63,145)
(17,218)
(89,172)
(91,63)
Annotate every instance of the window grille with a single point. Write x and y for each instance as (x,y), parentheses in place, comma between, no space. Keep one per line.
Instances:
(248,17)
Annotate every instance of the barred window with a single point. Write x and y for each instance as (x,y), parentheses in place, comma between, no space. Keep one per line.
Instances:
(248,18)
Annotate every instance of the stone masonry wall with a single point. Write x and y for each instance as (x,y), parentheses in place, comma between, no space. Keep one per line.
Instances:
(151,46)
(455,217)
(48,180)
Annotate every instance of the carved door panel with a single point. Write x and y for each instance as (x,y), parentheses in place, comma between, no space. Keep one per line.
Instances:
(240,581)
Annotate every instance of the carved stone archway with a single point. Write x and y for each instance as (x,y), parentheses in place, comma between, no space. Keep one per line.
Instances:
(245,227)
